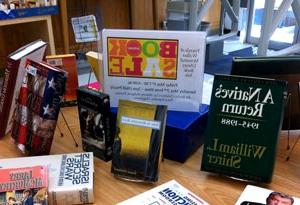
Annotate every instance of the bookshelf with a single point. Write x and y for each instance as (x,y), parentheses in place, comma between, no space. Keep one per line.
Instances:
(212,188)
(20,31)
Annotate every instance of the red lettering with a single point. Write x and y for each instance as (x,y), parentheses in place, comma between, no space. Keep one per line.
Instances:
(116,67)
(169,70)
(118,47)
(137,67)
(168,49)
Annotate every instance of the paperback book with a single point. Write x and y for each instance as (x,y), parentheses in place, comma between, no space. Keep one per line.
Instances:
(244,122)
(169,193)
(68,63)
(13,77)
(70,176)
(27,185)
(38,107)
(265,196)
(137,147)
(95,124)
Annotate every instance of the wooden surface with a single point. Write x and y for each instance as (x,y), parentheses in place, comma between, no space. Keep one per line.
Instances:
(216,190)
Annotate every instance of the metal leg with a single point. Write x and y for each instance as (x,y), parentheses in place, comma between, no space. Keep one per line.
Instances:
(63,116)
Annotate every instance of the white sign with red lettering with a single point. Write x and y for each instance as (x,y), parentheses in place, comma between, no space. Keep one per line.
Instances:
(161,67)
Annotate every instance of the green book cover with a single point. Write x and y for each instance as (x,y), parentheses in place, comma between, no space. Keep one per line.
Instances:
(279,68)
(245,118)
(137,148)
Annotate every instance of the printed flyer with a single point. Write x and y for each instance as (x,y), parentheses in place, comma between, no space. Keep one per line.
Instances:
(161,67)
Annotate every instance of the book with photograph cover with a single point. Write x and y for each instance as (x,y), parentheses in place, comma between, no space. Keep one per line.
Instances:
(26,185)
(12,81)
(168,193)
(265,196)
(70,175)
(95,124)
(68,63)
(138,141)
(244,123)
(38,107)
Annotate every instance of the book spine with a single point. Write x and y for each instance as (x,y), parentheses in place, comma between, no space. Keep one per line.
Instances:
(8,86)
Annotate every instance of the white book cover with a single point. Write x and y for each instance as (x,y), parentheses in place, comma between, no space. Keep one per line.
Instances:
(70,175)
(169,193)
(160,67)
(253,195)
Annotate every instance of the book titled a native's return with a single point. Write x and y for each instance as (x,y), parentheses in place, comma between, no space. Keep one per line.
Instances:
(245,118)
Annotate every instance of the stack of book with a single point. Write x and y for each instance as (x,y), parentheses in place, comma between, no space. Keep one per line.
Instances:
(70,175)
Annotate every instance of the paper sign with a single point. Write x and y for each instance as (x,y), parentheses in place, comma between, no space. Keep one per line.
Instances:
(85,29)
(161,67)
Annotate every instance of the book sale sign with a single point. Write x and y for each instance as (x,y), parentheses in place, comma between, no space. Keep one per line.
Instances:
(161,67)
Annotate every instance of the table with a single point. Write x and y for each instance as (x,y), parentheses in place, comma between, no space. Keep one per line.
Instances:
(216,190)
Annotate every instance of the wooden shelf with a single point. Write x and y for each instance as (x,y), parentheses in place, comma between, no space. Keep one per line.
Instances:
(45,31)
(18,32)
(212,188)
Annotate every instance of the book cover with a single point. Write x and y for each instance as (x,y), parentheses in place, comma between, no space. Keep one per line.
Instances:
(155,67)
(13,77)
(27,185)
(95,60)
(138,140)
(169,193)
(68,63)
(95,124)
(265,196)
(244,122)
(38,107)
(279,68)
(70,175)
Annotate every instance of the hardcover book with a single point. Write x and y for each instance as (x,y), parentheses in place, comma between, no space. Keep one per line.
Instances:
(28,185)
(38,107)
(279,68)
(168,193)
(265,196)
(137,147)
(68,63)
(13,77)
(244,122)
(70,175)
(95,124)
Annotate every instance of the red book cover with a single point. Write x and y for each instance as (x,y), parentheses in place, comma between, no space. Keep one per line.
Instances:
(27,185)
(13,77)
(38,107)
(68,63)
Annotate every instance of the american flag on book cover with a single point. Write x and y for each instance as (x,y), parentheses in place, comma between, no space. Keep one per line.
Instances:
(38,107)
